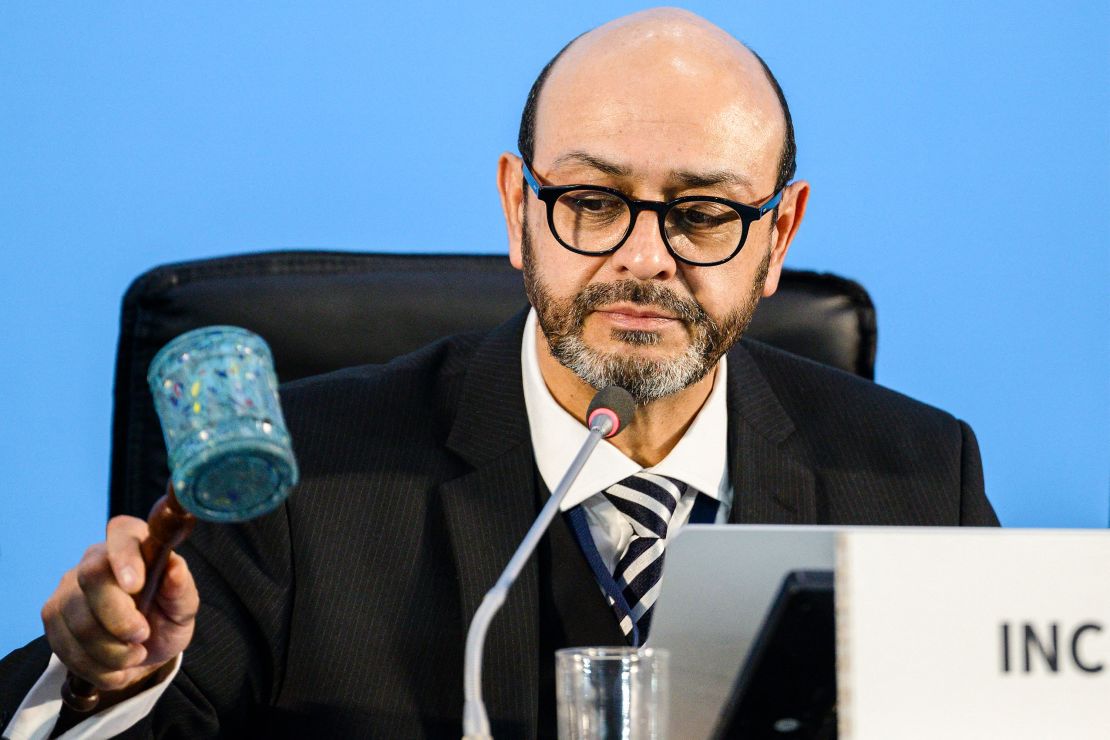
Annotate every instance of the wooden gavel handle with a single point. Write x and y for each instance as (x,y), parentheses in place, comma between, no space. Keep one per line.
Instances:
(169,525)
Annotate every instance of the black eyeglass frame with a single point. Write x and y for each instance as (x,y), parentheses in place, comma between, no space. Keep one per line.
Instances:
(549,194)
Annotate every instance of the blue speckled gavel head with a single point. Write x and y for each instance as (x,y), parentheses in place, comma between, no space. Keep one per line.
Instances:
(215,392)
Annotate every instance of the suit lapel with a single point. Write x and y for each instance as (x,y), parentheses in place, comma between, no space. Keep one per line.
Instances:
(770,468)
(488,510)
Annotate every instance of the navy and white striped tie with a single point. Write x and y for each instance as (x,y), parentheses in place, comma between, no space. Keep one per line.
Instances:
(648,501)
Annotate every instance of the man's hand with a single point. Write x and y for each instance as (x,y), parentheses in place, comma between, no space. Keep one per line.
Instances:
(92,622)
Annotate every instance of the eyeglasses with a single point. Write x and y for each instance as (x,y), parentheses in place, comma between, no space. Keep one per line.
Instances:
(699,230)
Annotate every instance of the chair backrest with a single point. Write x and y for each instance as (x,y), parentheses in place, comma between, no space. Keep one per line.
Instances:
(322,311)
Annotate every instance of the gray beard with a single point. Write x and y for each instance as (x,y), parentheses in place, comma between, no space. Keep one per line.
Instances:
(645,379)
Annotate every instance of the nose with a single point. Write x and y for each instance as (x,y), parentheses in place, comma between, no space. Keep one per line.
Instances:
(643,255)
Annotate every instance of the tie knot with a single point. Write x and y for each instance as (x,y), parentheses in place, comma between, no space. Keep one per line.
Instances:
(648,500)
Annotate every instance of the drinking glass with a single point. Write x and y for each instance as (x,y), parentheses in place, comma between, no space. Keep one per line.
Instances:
(611,693)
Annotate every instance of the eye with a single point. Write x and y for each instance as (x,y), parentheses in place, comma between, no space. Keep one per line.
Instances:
(593,203)
(702,215)
(593,206)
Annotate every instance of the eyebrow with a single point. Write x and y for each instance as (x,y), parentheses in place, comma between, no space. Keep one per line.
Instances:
(707,179)
(592,160)
(688,178)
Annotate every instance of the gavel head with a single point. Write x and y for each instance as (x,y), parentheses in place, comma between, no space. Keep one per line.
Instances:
(215,392)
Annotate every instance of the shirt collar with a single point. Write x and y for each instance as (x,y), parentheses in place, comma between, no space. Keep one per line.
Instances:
(699,459)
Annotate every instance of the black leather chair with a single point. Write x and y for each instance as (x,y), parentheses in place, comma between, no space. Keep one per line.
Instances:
(321,311)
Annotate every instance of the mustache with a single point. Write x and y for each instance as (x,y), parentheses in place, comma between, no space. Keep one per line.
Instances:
(645,294)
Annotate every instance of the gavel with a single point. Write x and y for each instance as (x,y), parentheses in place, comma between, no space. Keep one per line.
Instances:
(230,455)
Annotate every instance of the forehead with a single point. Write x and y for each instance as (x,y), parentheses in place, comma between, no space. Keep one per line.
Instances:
(660,102)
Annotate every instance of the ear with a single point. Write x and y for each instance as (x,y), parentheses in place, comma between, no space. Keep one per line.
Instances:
(791,210)
(510,183)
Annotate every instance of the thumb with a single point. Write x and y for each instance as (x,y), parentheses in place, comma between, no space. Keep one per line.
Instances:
(124,536)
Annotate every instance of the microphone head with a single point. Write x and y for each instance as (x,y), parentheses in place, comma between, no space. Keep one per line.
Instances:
(611,410)
(215,391)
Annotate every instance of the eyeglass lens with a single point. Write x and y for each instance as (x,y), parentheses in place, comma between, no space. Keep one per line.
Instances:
(596,221)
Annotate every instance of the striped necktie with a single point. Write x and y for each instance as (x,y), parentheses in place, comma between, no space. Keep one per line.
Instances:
(648,501)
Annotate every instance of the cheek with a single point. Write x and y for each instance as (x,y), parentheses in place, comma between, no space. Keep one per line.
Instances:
(563,272)
(706,286)
(722,289)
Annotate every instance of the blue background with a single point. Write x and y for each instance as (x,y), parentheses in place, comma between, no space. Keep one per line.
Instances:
(958,154)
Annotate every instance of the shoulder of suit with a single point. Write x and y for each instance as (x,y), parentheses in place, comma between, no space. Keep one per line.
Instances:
(422,386)
(812,390)
(443,357)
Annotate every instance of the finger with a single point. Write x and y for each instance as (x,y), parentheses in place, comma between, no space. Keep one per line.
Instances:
(124,535)
(69,649)
(52,623)
(111,606)
(178,599)
(105,651)
(72,653)
(172,617)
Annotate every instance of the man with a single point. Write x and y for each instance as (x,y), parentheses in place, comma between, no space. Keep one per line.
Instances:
(649,211)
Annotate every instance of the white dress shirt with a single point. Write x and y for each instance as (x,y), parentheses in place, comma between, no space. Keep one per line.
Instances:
(37,714)
(699,459)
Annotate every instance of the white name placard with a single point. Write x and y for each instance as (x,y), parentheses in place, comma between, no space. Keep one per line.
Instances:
(973,634)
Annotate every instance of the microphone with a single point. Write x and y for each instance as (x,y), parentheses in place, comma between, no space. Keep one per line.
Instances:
(229,453)
(610,411)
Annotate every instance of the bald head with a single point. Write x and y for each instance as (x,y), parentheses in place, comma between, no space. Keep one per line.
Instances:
(674,71)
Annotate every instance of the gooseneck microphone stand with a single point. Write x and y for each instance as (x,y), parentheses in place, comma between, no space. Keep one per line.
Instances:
(609,412)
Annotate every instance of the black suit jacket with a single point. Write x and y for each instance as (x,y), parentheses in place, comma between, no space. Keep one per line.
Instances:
(344,613)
